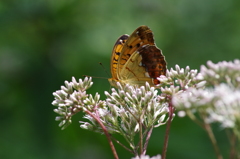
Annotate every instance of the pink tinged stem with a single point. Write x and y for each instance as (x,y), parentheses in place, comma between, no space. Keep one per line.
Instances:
(171,111)
(106,133)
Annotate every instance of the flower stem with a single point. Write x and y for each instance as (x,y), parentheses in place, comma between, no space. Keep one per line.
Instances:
(147,140)
(213,140)
(233,144)
(105,132)
(118,142)
(209,131)
(140,137)
(165,145)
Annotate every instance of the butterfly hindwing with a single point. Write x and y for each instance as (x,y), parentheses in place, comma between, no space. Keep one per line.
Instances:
(153,61)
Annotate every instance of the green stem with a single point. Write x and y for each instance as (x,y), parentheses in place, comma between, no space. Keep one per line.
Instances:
(209,131)
(126,148)
(147,140)
(233,144)
(140,136)
(213,140)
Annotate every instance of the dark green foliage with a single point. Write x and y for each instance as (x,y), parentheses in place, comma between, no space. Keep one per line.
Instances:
(43,43)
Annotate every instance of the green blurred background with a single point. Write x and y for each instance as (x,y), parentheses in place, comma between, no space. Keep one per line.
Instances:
(43,43)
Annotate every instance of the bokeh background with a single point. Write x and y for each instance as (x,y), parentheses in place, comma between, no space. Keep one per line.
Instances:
(45,42)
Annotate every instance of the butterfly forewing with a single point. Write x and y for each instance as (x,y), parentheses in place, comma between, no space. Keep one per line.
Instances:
(117,49)
(141,36)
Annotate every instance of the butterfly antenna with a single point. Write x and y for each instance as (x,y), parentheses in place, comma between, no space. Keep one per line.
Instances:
(104,69)
(99,77)
(106,73)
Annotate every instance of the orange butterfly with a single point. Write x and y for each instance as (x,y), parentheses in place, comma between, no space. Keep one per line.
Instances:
(136,59)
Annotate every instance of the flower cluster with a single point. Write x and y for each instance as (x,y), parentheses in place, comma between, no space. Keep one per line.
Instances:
(222,72)
(126,106)
(177,81)
(183,78)
(73,98)
(220,100)
(129,110)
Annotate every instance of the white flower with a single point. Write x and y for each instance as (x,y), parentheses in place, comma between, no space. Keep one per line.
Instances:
(226,109)
(220,99)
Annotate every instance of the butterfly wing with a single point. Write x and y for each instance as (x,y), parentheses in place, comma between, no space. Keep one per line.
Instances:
(117,49)
(141,36)
(136,59)
(153,61)
(145,65)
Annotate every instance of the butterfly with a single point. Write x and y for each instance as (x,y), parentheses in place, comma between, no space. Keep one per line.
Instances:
(136,59)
